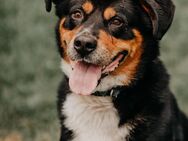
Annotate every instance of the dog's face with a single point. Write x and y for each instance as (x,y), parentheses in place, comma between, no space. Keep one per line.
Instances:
(103,42)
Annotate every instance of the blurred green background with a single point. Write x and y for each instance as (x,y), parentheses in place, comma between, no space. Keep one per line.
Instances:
(30,72)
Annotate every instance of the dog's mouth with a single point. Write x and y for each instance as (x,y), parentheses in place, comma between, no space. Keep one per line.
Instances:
(85,77)
(116,61)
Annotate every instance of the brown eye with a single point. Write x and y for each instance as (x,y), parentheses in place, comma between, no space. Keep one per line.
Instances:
(116,22)
(77,15)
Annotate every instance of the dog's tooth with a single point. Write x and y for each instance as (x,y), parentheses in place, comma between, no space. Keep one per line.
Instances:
(107,73)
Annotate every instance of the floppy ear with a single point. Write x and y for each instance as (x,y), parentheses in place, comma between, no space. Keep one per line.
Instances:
(161,13)
(48,5)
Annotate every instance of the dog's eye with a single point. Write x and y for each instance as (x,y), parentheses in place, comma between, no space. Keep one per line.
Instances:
(115,22)
(77,15)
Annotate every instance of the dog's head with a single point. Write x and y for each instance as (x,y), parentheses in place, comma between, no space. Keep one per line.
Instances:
(102,42)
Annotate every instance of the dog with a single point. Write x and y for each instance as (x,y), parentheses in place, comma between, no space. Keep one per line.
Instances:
(115,86)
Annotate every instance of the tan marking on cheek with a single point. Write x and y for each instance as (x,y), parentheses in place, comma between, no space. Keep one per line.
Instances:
(65,38)
(130,65)
(88,7)
(106,40)
(112,44)
(65,34)
(109,13)
(130,45)
(133,46)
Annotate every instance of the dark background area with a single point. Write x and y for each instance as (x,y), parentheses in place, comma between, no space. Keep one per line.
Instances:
(30,70)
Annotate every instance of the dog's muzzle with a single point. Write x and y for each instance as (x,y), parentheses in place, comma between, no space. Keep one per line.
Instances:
(84,45)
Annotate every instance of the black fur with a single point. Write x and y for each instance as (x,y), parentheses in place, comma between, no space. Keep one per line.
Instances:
(147,103)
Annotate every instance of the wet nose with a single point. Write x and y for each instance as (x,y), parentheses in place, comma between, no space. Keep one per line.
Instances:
(85,45)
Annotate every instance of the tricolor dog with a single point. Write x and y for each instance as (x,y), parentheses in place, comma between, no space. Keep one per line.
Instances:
(115,86)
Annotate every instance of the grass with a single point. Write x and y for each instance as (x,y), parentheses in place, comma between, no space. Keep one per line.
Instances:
(29,73)
(29,69)
(174,53)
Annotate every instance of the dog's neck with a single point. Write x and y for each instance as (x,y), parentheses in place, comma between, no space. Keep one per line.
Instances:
(114,93)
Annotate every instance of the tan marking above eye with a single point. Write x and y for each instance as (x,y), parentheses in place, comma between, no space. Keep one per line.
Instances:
(88,7)
(109,13)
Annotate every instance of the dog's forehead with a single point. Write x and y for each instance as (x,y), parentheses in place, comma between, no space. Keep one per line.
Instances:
(103,4)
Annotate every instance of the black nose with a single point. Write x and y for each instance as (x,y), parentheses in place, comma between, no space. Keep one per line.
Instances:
(85,45)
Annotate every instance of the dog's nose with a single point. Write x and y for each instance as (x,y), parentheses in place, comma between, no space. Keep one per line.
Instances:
(85,45)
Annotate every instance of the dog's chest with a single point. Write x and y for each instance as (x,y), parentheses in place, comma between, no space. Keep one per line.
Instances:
(93,119)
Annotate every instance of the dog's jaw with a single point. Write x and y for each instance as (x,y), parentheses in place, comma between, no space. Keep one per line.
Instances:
(110,82)
(66,67)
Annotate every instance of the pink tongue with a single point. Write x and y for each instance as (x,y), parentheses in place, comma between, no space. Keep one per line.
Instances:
(84,78)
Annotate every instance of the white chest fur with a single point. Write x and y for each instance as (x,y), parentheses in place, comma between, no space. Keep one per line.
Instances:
(93,119)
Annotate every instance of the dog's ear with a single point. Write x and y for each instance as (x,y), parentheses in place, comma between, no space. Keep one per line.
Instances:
(161,13)
(49,4)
